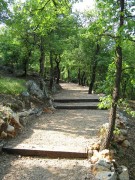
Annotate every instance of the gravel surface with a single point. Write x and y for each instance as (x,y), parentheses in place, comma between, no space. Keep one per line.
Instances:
(64,129)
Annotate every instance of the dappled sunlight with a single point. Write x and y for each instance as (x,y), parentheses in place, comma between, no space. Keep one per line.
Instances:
(50,169)
(67,128)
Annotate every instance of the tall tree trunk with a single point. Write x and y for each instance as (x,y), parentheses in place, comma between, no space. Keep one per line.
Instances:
(83,78)
(57,60)
(116,89)
(25,64)
(68,75)
(51,70)
(42,57)
(79,76)
(94,67)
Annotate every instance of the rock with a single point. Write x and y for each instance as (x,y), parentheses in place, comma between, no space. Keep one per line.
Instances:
(106,154)
(3,135)
(24,120)
(98,168)
(104,163)
(90,153)
(1,146)
(34,89)
(10,129)
(124,132)
(25,94)
(94,159)
(14,120)
(124,175)
(122,118)
(25,113)
(126,143)
(96,146)
(119,138)
(106,175)
(101,165)
(3,126)
(26,98)
(1,122)
(103,131)
(120,124)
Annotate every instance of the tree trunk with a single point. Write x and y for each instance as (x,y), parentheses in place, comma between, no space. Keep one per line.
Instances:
(68,75)
(83,78)
(116,89)
(94,67)
(79,76)
(42,57)
(25,64)
(57,60)
(51,70)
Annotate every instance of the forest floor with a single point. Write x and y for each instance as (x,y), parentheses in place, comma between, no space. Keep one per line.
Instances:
(69,129)
(62,129)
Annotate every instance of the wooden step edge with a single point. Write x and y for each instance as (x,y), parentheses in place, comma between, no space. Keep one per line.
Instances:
(76,107)
(45,153)
(75,100)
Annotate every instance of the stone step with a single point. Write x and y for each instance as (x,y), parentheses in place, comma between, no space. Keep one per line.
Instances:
(76,100)
(29,150)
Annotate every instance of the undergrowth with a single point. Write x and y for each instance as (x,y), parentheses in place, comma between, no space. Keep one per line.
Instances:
(11,86)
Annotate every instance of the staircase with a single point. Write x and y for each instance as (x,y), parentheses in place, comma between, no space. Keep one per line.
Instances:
(76,103)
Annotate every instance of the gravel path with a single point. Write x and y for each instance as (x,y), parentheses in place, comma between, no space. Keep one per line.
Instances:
(63,129)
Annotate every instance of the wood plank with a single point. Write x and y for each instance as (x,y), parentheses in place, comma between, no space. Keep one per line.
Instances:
(76,107)
(75,100)
(26,150)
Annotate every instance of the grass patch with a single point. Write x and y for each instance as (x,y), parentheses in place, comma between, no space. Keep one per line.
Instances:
(11,86)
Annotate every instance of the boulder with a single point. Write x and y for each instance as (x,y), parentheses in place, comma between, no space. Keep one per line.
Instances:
(101,165)
(1,146)
(34,89)
(14,120)
(96,146)
(120,124)
(24,120)
(94,159)
(106,154)
(103,132)
(3,126)
(1,122)
(106,175)
(104,163)
(26,98)
(3,135)
(124,132)
(125,143)
(124,175)
(10,129)
(119,138)
(98,168)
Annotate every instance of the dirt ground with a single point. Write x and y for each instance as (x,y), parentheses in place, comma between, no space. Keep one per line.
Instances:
(62,130)
(67,129)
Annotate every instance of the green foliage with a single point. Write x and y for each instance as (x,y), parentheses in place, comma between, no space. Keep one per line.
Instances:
(116,131)
(125,105)
(105,102)
(11,86)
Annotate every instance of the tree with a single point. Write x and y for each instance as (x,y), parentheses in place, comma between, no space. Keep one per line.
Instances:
(119,9)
